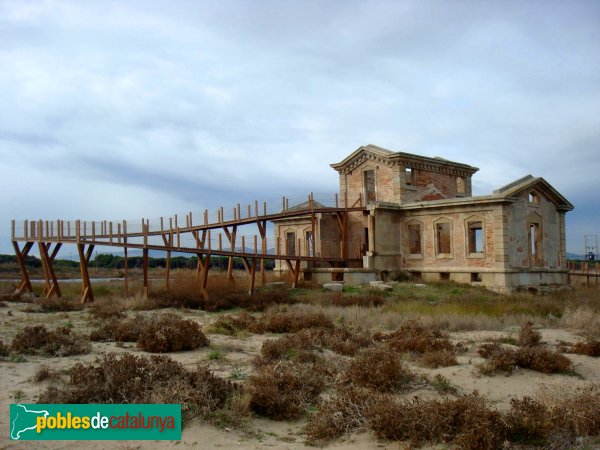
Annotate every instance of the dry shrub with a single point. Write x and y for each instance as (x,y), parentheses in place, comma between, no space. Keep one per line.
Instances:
(371,299)
(106,308)
(412,336)
(170,333)
(590,347)
(59,304)
(271,322)
(186,294)
(534,358)
(343,340)
(528,421)
(284,390)
(297,347)
(38,340)
(4,350)
(120,330)
(438,358)
(342,414)
(380,369)
(529,336)
(467,422)
(141,379)
(231,325)
(289,322)
(43,373)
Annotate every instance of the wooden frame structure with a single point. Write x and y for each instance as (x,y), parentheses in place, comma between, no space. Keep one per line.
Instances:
(193,238)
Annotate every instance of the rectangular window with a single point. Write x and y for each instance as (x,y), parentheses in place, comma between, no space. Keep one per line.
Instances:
(369,180)
(534,243)
(443,236)
(414,239)
(290,244)
(475,237)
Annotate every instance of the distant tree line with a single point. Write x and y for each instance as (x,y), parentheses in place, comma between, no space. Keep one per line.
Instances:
(109,261)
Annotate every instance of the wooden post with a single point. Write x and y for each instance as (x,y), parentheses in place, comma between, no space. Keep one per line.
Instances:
(252,276)
(203,266)
(126,267)
(145,270)
(51,287)
(84,259)
(168,269)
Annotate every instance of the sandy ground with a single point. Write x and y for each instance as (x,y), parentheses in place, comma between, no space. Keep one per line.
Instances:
(16,383)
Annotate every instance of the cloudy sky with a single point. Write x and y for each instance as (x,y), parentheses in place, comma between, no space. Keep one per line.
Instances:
(129,109)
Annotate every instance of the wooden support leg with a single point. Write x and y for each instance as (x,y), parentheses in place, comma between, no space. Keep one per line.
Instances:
(168,270)
(145,270)
(25,283)
(52,287)
(231,236)
(126,261)
(294,270)
(250,264)
(84,259)
(203,266)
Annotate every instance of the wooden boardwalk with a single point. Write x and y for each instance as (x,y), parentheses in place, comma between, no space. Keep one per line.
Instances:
(588,269)
(211,235)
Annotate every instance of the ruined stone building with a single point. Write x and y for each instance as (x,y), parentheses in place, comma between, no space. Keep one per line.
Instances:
(422,218)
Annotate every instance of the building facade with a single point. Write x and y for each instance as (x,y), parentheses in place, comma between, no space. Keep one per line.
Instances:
(422,218)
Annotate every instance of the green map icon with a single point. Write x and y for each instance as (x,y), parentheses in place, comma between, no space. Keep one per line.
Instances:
(24,420)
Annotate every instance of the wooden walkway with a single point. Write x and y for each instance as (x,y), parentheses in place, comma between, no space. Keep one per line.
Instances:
(215,235)
(588,269)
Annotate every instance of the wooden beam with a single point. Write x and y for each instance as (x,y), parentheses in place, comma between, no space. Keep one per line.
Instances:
(86,286)
(25,283)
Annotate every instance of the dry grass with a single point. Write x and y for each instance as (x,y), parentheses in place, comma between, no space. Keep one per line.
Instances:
(452,307)
(142,379)
(507,360)
(38,340)
(380,369)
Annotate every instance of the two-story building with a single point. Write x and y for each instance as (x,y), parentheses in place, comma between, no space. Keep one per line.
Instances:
(422,218)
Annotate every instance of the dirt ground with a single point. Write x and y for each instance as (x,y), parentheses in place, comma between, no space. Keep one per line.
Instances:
(238,353)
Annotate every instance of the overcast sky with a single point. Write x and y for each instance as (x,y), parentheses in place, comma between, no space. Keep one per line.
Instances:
(126,109)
